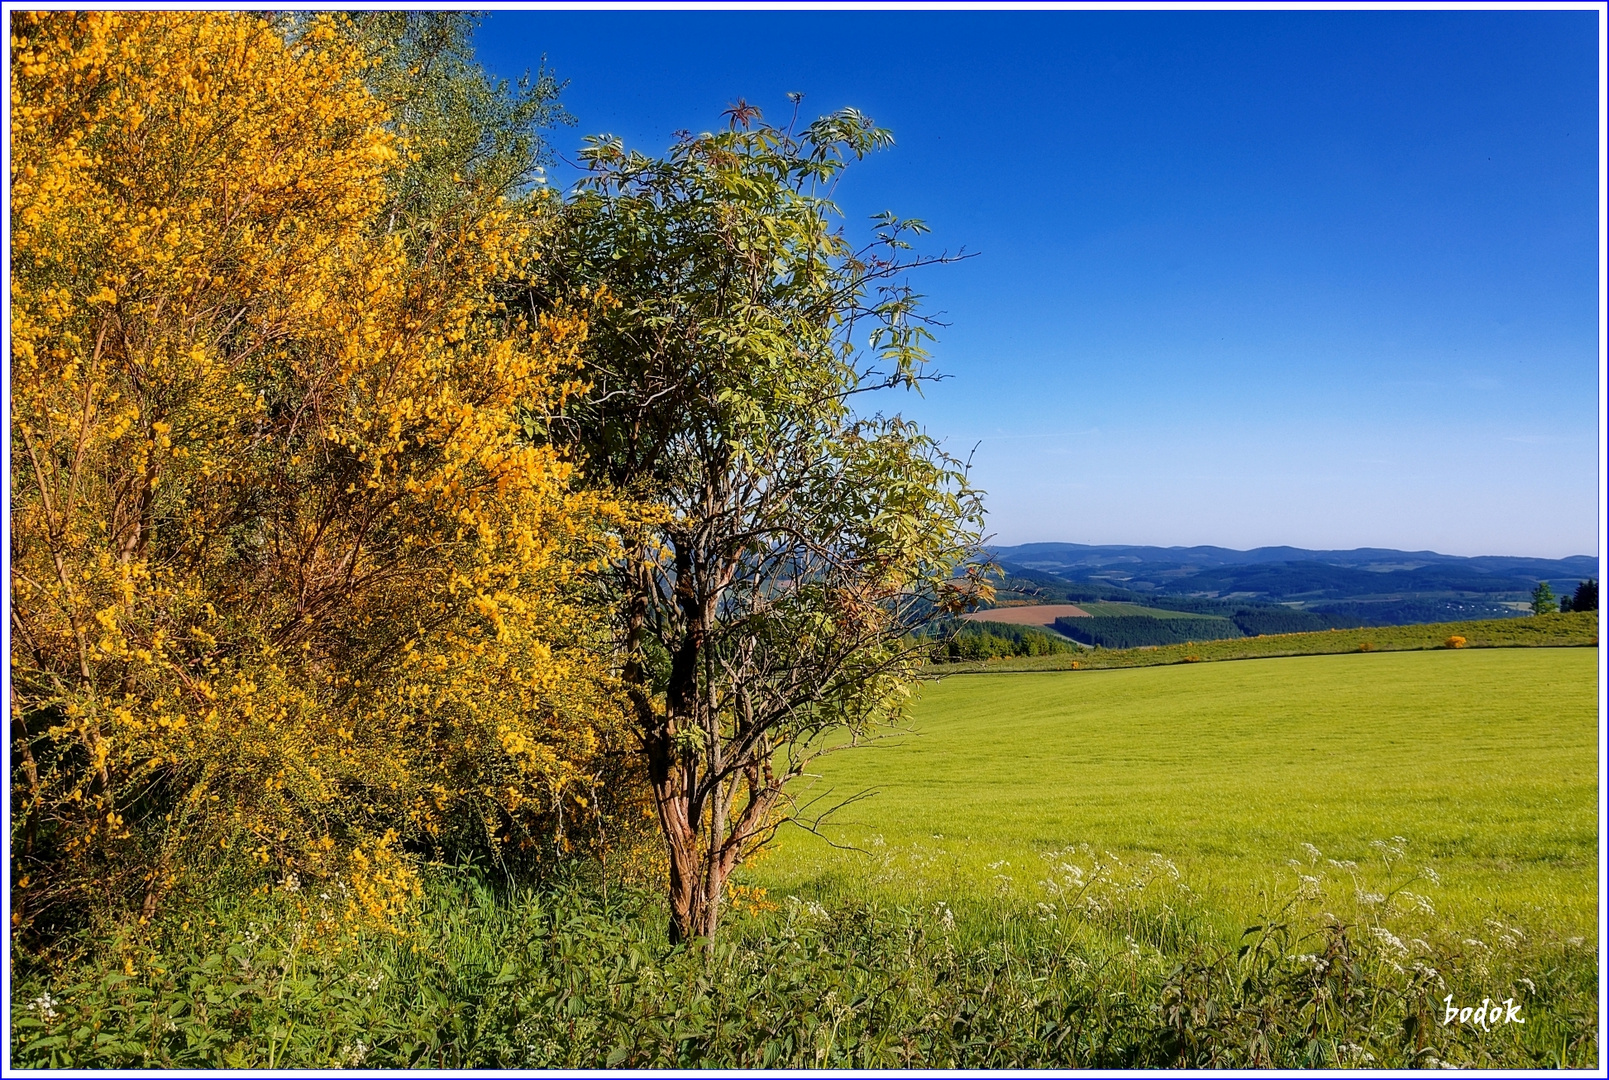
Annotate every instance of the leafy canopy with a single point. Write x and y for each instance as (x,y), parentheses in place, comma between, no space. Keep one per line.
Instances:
(792,541)
(290,586)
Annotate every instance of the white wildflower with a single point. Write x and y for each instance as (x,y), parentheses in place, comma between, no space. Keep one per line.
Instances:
(1430,973)
(1389,852)
(1355,1052)
(1389,939)
(1421,902)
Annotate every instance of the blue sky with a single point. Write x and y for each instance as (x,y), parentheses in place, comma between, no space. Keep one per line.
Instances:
(1244,278)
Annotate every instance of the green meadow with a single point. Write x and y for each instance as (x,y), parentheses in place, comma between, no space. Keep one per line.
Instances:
(1467,777)
(1291,863)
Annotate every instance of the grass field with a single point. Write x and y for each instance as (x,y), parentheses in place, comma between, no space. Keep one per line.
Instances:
(1483,761)
(955,944)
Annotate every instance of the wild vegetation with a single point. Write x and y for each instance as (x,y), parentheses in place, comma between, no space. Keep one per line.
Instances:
(288,585)
(563,978)
(1260,939)
(430,591)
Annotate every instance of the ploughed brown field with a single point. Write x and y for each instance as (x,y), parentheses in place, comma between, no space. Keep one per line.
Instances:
(1030,615)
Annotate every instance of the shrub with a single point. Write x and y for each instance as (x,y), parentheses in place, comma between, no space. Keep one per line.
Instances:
(1455,642)
(291,585)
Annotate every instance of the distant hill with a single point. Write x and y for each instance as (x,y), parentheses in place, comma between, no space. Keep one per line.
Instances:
(1360,587)
(1060,558)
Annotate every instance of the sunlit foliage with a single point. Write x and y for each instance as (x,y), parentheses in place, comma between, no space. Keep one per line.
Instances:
(292,583)
(765,614)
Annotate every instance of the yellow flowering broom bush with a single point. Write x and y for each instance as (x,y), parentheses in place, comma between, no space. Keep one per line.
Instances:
(290,587)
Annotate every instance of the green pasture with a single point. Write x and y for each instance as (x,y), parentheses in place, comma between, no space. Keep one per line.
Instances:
(1484,762)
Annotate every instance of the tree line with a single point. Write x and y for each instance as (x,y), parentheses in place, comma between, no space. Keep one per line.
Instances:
(1585,598)
(979,640)
(1134,631)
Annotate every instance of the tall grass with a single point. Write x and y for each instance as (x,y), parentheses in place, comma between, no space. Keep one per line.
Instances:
(1117,970)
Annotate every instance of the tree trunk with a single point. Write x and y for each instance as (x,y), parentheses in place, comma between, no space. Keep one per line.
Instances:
(673,768)
(685,749)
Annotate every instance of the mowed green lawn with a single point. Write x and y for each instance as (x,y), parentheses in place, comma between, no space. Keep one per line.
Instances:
(1486,762)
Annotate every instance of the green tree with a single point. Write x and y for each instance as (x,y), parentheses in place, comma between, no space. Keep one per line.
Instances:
(1542,601)
(1586,596)
(796,540)
(473,141)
